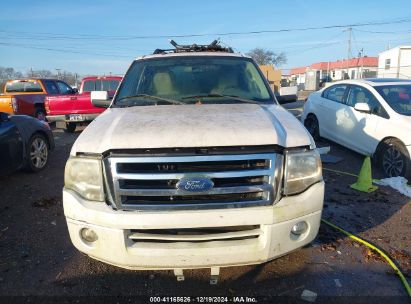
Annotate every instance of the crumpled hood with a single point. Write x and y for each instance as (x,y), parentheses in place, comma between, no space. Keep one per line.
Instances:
(178,126)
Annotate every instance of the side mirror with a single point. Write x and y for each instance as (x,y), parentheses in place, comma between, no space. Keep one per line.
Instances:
(362,107)
(74,91)
(100,99)
(4,116)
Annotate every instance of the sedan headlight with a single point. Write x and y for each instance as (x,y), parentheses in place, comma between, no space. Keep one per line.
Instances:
(302,169)
(84,176)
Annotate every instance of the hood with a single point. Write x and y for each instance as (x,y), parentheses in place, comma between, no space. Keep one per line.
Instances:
(179,126)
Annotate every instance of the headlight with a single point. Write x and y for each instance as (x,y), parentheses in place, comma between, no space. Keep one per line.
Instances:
(302,169)
(84,176)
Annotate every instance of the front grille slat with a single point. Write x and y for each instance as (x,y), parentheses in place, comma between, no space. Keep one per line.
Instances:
(150,183)
(172,192)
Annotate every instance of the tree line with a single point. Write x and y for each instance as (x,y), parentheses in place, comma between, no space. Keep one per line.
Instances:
(7,73)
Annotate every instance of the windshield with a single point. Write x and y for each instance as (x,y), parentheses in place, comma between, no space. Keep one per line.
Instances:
(20,86)
(192,79)
(398,97)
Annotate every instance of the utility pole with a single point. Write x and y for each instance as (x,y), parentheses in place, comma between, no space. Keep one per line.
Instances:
(349,30)
(58,73)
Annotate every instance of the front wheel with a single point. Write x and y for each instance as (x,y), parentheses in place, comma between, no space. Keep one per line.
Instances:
(38,153)
(394,159)
(311,124)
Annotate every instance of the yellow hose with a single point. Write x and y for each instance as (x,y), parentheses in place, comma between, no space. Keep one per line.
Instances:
(386,257)
(346,173)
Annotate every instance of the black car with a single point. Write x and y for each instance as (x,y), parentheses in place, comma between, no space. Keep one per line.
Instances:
(25,142)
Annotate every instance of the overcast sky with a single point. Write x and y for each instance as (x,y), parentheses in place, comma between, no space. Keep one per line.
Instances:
(99,37)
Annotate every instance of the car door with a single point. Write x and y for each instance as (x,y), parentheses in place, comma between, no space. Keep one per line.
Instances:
(11,146)
(358,128)
(332,101)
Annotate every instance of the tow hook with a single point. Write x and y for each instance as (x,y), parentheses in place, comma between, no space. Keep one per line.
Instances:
(215,272)
(179,274)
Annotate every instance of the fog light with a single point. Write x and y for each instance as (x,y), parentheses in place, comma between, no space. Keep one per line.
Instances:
(299,228)
(88,235)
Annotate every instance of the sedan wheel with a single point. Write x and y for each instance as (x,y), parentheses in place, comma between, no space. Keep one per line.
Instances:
(394,159)
(38,153)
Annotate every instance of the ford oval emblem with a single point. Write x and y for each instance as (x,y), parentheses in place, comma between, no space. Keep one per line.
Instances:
(195,184)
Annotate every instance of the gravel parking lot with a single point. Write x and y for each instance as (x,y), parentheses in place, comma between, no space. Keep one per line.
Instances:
(37,257)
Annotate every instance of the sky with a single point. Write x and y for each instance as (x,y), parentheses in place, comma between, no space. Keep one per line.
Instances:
(103,37)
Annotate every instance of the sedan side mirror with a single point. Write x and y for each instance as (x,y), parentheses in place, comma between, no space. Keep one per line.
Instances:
(362,107)
(100,99)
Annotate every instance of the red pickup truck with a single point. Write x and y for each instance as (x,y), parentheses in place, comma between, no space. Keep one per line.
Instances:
(77,108)
(26,96)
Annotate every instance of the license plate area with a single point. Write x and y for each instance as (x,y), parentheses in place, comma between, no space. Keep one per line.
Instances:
(76,117)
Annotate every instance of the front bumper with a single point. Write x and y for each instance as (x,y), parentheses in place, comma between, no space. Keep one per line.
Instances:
(113,228)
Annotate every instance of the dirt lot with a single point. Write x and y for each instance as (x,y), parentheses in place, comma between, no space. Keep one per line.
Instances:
(37,257)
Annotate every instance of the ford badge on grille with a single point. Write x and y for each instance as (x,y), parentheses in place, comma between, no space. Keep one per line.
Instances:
(195,184)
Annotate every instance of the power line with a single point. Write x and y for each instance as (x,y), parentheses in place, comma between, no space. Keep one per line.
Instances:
(88,37)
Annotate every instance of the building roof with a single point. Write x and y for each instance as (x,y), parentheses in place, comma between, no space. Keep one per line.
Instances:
(397,47)
(339,64)
(300,70)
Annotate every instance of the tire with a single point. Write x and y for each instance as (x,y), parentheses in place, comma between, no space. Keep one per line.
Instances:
(40,114)
(393,159)
(311,124)
(70,127)
(37,153)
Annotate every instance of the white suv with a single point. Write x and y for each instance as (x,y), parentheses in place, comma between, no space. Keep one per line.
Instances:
(193,165)
(370,116)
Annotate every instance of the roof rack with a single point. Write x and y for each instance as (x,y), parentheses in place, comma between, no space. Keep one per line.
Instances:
(212,47)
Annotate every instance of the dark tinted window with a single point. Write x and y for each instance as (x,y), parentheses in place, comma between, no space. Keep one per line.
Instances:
(105,85)
(335,93)
(64,88)
(89,86)
(51,87)
(113,84)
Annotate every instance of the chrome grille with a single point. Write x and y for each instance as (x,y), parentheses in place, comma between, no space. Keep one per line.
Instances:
(149,183)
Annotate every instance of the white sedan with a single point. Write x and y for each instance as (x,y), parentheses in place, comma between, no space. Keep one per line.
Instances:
(369,116)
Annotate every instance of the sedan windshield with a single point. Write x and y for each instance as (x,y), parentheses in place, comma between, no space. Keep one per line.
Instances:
(398,97)
(193,79)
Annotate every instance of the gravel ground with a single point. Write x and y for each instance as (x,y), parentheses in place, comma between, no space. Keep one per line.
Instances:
(37,257)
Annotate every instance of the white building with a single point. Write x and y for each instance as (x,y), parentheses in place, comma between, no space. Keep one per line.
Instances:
(395,63)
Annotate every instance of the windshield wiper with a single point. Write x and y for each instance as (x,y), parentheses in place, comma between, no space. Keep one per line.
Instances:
(235,97)
(152,98)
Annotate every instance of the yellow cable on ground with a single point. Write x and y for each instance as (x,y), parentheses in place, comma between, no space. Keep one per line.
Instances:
(346,173)
(385,256)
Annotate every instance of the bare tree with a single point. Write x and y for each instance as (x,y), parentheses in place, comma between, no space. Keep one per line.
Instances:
(262,56)
(7,74)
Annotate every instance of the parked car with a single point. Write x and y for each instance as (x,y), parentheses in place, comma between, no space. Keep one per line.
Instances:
(25,142)
(26,96)
(370,116)
(193,165)
(74,109)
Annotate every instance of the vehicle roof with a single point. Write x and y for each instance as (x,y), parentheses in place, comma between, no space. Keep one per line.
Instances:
(32,79)
(377,81)
(199,54)
(103,77)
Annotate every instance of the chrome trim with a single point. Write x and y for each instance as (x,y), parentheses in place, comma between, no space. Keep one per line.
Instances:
(221,190)
(195,238)
(269,187)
